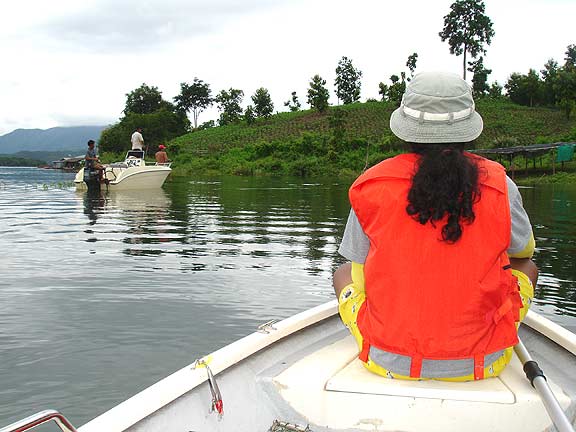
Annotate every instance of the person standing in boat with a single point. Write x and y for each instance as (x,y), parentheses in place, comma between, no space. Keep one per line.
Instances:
(440,247)
(92,162)
(137,139)
(161,155)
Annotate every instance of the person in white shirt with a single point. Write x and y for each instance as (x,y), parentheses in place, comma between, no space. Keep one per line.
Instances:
(137,140)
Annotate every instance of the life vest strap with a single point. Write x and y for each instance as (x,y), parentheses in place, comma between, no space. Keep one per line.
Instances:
(478,367)
(363,356)
(416,366)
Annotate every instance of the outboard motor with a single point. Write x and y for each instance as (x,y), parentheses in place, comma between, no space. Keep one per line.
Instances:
(92,179)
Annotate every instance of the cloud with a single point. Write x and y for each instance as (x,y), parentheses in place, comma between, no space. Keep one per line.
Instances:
(113,26)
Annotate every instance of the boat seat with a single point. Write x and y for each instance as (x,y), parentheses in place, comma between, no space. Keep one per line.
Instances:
(355,378)
(331,386)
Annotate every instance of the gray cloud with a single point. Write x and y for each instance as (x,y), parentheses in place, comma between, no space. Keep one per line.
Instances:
(135,25)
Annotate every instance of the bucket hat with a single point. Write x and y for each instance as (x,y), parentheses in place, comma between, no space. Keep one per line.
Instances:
(437,107)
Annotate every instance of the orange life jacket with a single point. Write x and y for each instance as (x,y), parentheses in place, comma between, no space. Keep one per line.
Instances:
(425,298)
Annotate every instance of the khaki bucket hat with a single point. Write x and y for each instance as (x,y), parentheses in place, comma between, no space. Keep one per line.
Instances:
(437,107)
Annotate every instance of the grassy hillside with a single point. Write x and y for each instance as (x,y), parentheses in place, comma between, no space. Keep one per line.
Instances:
(309,143)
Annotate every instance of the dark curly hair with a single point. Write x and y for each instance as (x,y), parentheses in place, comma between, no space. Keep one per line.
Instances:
(446,182)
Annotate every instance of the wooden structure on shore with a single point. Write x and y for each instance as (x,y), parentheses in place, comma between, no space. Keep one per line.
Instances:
(560,152)
(68,163)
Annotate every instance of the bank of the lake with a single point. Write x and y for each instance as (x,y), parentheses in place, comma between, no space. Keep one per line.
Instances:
(344,140)
(562,177)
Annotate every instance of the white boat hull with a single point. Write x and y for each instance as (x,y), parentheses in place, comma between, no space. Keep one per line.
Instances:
(131,174)
(148,177)
(305,371)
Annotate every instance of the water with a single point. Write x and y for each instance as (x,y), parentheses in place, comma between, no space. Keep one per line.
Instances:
(102,296)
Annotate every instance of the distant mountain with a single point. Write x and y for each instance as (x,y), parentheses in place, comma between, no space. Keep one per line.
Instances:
(69,139)
(44,156)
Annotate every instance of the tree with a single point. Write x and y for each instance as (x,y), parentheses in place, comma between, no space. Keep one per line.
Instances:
(397,89)
(143,100)
(347,81)
(249,115)
(195,97)
(565,83)
(495,90)
(565,89)
(549,76)
(383,90)
(533,85)
(229,105)
(524,89)
(570,59)
(411,63)
(480,79)
(293,103)
(160,126)
(318,94)
(467,29)
(207,125)
(263,106)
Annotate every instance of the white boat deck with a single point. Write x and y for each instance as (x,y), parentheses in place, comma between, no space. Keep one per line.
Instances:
(305,372)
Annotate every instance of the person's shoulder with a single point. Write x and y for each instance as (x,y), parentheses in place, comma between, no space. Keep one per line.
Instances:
(485,162)
(400,166)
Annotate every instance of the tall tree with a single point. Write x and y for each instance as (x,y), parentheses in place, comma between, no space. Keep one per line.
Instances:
(467,29)
(570,59)
(524,89)
(550,76)
(144,100)
(195,97)
(294,104)
(397,88)
(411,63)
(565,89)
(383,91)
(263,106)
(533,86)
(480,79)
(347,81)
(318,94)
(229,105)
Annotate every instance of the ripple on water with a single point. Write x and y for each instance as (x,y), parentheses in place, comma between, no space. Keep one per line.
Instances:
(105,295)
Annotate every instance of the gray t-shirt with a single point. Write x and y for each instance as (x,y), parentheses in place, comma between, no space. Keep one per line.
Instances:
(355,243)
(90,153)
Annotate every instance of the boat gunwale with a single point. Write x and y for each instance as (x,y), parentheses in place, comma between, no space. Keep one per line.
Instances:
(158,395)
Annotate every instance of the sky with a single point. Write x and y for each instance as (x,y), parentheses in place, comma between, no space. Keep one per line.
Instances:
(71,62)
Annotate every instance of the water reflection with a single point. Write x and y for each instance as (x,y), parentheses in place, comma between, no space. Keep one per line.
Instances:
(552,212)
(94,201)
(104,294)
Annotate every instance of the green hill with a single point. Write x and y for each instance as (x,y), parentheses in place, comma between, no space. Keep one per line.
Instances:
(344,140)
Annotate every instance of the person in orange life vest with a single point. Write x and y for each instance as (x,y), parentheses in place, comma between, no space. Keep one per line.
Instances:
(440,247)
(161,155)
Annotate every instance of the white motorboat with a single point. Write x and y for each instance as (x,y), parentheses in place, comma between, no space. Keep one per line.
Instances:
(132,173)
(302,374)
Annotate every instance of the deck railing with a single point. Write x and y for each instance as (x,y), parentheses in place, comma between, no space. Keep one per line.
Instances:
(40,418)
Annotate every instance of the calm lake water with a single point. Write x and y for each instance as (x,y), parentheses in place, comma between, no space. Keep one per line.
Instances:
(102,296)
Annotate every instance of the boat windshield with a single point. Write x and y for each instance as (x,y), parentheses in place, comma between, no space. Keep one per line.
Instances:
(139,154)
